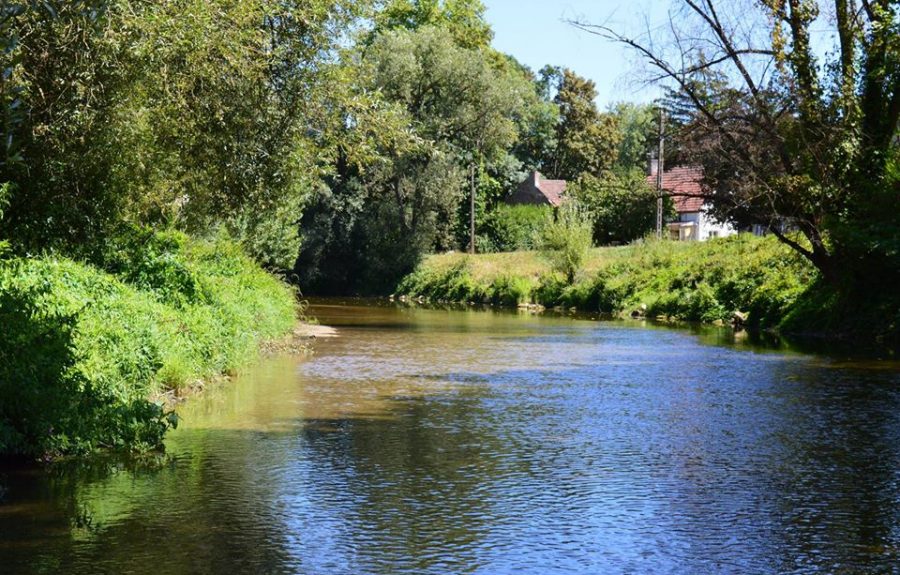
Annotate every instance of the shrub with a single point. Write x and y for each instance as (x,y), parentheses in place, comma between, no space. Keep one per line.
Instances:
(566,240)
(83,351)
(691,281)
(620,204)
(512,228)
(510,290)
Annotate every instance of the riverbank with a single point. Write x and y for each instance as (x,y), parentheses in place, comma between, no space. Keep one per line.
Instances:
(85,348)
(756,282)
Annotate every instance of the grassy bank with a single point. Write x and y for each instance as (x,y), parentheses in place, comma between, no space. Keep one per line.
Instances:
(84,348)
(710,281)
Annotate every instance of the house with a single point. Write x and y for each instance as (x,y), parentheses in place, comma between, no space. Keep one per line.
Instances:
(537,191)
(693,223)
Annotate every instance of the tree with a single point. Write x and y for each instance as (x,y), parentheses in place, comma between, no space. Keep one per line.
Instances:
(439,109)
(62,75)
(620,204)
(796,140)
(10,102)
(639,130)
(190,113)
(464,19)
(586,141)
(536,145)
(566,239)
(684,133)
(229,128)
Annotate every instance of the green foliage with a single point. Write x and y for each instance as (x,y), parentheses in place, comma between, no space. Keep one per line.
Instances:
(63,72)
(511,290)
(452,94)
(464,19)
(512,228)
(457,284)
(153,262)
(690,281)
(83,351)
(454,283)
(620,204)
(197,113)
(11,113)
(566,239)
(4,195)
(396,192)
(868,313)
(586,141)
(639,128)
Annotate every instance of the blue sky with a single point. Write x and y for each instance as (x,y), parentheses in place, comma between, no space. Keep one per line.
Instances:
(535,32)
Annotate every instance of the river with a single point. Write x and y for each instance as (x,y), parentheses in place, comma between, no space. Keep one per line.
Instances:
(449,442)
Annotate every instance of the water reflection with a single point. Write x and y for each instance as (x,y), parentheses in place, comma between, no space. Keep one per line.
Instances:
(437,441)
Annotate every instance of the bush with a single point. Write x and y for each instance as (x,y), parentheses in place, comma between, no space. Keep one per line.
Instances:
(512,228)
(620,205)
(510,290)
(83,350)
(704,282)
(566,240)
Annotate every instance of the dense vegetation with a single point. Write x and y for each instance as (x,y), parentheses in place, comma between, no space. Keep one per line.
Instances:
(83,351)
(760,278)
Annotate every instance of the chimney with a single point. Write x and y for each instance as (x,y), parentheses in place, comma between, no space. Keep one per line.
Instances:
(537,179)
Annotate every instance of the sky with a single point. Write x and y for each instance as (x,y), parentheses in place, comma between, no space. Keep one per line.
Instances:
(535,33)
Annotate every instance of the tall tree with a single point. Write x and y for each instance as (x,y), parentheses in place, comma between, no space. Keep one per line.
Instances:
(586,141)
(639,128)
(10,101)
(190,112)
(63,73)
(797,140)
(441,108)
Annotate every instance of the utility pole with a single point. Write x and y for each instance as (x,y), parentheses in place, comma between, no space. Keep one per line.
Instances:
(472,207)
(659,172)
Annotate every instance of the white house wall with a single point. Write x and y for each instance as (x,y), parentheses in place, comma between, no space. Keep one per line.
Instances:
(710,228)
(704,227)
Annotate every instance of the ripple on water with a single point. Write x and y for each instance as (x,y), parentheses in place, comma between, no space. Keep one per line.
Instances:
(436,442)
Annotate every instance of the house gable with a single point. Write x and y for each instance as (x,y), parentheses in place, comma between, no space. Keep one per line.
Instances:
(684,184)
(537,191)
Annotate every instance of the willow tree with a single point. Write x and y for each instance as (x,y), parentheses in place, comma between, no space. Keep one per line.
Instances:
(433,110)
(802,134)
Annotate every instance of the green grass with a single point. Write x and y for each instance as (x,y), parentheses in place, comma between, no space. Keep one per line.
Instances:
(84,348)
(706,281)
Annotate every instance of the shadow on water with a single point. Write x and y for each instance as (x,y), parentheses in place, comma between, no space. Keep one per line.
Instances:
(493,443)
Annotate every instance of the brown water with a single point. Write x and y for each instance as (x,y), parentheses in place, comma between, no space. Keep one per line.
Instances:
(475,442)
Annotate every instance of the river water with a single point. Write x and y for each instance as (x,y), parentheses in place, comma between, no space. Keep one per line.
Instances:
(428,441)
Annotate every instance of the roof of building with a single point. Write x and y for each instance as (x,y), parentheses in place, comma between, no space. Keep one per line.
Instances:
(553,190)
(684,185)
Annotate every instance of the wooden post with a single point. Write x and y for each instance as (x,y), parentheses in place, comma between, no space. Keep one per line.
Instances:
(660,166)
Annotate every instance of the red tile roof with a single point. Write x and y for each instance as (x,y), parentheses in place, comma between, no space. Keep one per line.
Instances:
(554,190)
(684,185)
